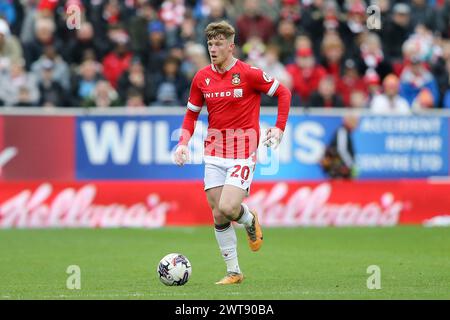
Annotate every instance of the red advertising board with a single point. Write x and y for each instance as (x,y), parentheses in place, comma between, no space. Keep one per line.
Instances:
(157,204)
(43,147)
(5,155)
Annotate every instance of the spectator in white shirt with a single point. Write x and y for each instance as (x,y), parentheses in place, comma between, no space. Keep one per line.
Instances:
(390,102)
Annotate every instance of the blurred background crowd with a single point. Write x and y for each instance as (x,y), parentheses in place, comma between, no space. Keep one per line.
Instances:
(144,53)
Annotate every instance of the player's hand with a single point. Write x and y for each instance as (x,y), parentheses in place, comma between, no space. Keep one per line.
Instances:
(273,137)
(181,155)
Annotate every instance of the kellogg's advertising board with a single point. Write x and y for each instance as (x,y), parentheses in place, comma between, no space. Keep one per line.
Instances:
(158,204)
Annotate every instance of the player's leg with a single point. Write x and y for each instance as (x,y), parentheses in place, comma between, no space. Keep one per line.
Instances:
(226,238)
(223,229)
(232,207)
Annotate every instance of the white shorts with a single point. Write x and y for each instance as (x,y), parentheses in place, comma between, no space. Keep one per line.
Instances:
(235,172)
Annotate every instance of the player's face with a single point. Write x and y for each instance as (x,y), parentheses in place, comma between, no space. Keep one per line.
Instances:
(219,50)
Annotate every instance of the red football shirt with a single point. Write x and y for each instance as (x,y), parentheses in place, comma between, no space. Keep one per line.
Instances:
(233,103)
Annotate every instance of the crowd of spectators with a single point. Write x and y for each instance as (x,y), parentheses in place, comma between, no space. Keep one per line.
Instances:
(144,53)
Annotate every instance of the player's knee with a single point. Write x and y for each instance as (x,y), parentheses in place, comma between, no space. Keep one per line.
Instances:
(228,210)
(219,218)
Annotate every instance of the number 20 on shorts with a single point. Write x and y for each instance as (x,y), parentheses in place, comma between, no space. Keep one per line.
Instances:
(245,172)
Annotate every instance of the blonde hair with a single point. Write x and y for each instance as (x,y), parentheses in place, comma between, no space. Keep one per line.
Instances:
(217,29)
(331,40)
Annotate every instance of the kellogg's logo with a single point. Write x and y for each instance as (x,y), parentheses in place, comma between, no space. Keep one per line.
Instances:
(76,208)
(312,207)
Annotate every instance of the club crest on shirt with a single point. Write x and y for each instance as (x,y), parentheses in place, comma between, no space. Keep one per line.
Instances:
(236,79)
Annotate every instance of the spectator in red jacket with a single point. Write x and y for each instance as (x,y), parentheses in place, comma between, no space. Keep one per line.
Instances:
(306,74)
(116,62)
(254,23)
(350,81)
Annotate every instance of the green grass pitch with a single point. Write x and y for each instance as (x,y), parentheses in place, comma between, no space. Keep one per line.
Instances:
(294,263)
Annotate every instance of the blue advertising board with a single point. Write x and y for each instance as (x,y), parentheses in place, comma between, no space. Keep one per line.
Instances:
(402,147)
(140,148)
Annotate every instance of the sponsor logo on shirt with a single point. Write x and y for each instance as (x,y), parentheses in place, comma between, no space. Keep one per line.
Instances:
(221,94)
(237,93)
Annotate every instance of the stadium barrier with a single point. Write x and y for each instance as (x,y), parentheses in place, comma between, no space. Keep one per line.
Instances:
(72,169)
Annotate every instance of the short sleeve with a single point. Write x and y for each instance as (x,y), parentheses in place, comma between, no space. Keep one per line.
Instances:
(196,100)
(262,82)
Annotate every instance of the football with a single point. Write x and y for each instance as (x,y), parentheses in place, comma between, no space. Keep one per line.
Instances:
(174,269)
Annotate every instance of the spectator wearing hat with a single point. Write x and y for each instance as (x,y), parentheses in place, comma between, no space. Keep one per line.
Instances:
(8,11)
(396,31)
(116,62)
(373,83)
(52,94)
(306,74)
(10,49)
(47,5)
(156,49)
(416,77)
(390,102)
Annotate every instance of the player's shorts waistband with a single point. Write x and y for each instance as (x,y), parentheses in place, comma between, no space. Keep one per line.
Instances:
(229,161)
